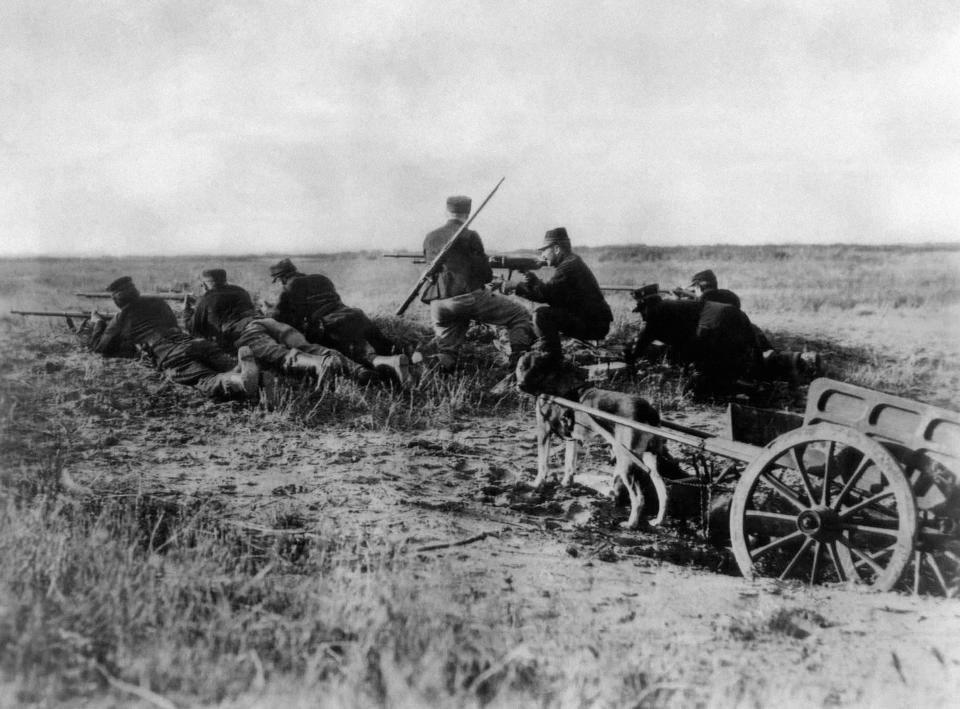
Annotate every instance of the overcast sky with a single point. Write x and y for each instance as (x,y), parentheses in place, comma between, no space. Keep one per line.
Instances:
(182,126)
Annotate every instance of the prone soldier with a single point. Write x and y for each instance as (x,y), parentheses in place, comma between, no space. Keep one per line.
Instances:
(715,339)
(226,313)
(149,323)
(311,304)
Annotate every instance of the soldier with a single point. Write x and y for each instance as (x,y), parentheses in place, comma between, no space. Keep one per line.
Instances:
(311,304)
(225,312)
(716,339)
(777,364)
(705,283)
(458,292)
(149,324)
(572,302)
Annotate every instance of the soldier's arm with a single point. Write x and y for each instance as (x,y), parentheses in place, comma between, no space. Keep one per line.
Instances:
(111,339)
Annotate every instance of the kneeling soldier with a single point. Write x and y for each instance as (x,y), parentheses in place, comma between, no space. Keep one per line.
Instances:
(149,324)
(573,303)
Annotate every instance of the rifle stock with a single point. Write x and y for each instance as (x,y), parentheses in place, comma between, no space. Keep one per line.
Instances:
(438,261)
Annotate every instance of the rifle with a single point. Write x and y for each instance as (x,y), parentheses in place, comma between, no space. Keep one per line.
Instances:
(69,316)
(434,267)
(620,289)
(167,295)
(521,264)
(416,258)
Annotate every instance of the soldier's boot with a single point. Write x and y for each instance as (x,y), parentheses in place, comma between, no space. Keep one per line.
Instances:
(782,366)
(395,368)
(246,381)
(269,396)
(810,364)
(323,367)
(510,380)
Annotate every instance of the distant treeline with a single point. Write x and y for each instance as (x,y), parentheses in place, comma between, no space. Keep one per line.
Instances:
(614,252)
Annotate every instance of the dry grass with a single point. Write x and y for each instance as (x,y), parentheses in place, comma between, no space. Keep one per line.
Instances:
(162,593)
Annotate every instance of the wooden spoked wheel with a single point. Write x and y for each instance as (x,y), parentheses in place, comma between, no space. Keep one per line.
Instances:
(934,564)
(824,504)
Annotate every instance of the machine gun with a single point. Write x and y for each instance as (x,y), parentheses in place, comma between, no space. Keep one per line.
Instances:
(520,264)
(67,315)
(679,293)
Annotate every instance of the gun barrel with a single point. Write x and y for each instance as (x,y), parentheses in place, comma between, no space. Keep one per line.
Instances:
(51,313)
(166,295)
(622,289)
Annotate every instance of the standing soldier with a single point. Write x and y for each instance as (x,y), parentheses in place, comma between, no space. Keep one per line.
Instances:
(311,304)
(149,324)
(573,304)
(458,292)
(225,312)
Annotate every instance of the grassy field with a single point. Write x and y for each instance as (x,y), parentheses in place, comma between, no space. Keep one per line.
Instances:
(117,590)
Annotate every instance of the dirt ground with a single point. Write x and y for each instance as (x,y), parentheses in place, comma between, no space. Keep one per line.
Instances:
(459,499)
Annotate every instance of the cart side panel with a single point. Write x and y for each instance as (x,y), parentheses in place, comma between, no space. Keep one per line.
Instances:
(891,419)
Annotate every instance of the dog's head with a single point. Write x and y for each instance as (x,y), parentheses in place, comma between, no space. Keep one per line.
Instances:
(536,374)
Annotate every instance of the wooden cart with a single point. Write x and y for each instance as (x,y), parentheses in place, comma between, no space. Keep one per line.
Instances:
(866,491)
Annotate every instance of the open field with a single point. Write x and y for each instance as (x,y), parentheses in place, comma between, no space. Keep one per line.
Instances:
(370,548)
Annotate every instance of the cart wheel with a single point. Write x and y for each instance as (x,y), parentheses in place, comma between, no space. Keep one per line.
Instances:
(934,564)
(824,504)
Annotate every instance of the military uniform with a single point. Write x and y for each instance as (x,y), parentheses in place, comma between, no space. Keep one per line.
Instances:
(458,292)
(150,324)
(573,303)
(715,338)
(311,304)
(226,314)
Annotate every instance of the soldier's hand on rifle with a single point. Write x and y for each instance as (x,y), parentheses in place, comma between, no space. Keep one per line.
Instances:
(508,287)
(531,279)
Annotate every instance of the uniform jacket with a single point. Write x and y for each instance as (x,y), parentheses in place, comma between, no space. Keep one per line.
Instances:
(222,313)
(721,295)
(145,321)
(305,299)
(573,288)
(465,268)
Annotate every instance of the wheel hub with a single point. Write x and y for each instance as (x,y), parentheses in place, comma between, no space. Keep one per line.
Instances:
(821,523)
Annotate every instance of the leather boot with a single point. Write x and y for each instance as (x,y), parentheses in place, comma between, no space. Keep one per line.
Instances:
(395,368)
(324,367)
(246,381)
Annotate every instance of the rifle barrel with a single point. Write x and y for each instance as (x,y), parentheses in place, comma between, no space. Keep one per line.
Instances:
(438,260)
(52,313)
(167,295)
(623,289)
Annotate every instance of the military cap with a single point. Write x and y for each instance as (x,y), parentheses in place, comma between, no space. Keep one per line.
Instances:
(708,277)
(282,268)
(122,283)
(648,291)
(555,237)
(458,204)
(215,275)
(646,296)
